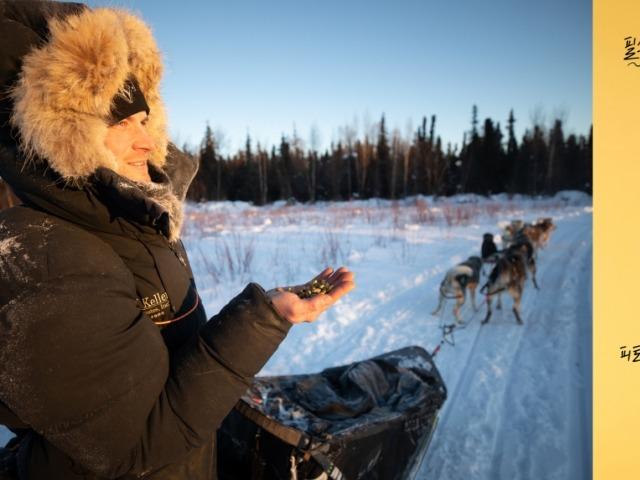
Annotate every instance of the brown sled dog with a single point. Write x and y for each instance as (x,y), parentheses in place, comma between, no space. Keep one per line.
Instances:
(465,275)
(540,232)
(509,275)
(524,245)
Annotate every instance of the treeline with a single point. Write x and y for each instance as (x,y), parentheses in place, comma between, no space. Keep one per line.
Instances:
(386,165)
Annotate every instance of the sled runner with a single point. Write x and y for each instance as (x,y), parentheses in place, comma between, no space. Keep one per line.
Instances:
(371,419)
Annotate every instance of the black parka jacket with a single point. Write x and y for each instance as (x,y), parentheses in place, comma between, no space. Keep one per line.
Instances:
(109,367)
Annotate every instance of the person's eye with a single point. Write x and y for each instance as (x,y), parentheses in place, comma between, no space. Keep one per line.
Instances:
(122,123)
(145,121)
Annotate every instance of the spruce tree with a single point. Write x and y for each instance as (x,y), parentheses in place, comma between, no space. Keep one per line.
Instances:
(382,170)
(205,183)
(556,164)
(285,169)
(512,155)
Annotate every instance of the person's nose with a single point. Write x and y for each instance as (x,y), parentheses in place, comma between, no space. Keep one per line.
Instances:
(143,140)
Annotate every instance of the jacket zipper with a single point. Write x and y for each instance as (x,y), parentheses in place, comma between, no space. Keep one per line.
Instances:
(177,254)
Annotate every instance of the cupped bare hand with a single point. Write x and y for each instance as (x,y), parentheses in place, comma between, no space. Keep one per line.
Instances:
(297,310)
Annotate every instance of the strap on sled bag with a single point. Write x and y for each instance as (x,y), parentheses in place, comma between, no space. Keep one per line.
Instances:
(293,437)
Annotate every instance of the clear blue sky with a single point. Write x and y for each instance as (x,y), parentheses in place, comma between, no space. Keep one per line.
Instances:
(263,67)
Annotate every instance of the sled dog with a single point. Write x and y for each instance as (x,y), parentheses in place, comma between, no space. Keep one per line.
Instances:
(488,251)
(465,275)
(510,231)
(509,274)
(539,233)
(524,245)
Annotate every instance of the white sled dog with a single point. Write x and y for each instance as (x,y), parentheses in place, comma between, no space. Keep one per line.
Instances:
(465,275)
(510,231)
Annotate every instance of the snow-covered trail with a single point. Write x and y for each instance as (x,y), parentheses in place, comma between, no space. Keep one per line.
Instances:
(520,404)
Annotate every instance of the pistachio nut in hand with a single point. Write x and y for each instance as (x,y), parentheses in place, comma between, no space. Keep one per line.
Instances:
(304,303)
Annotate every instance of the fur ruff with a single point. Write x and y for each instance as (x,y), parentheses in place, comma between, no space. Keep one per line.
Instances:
(163,195)
(63,97)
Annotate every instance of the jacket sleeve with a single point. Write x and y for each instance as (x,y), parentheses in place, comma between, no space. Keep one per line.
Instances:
(88,371)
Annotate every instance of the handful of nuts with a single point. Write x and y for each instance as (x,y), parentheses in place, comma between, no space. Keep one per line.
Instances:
(316,287)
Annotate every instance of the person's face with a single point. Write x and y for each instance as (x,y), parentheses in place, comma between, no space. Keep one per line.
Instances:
(131,144)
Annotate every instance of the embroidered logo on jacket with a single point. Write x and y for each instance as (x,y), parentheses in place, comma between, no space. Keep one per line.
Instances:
(156,305)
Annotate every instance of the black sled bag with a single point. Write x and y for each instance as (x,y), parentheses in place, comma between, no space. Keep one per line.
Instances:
(368,420)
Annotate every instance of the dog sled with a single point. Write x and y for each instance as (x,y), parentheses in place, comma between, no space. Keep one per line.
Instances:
(371,419)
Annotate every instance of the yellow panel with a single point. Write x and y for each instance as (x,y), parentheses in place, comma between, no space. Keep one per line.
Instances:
(616,87)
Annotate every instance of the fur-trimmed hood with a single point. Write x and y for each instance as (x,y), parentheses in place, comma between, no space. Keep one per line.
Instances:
(63,97)
(61,65)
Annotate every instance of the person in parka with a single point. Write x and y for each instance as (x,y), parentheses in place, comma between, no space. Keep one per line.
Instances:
(109,367)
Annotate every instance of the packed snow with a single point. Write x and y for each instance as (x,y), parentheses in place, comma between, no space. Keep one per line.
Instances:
(519,396)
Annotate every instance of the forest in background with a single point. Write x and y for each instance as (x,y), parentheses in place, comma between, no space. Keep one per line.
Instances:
(385,164)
